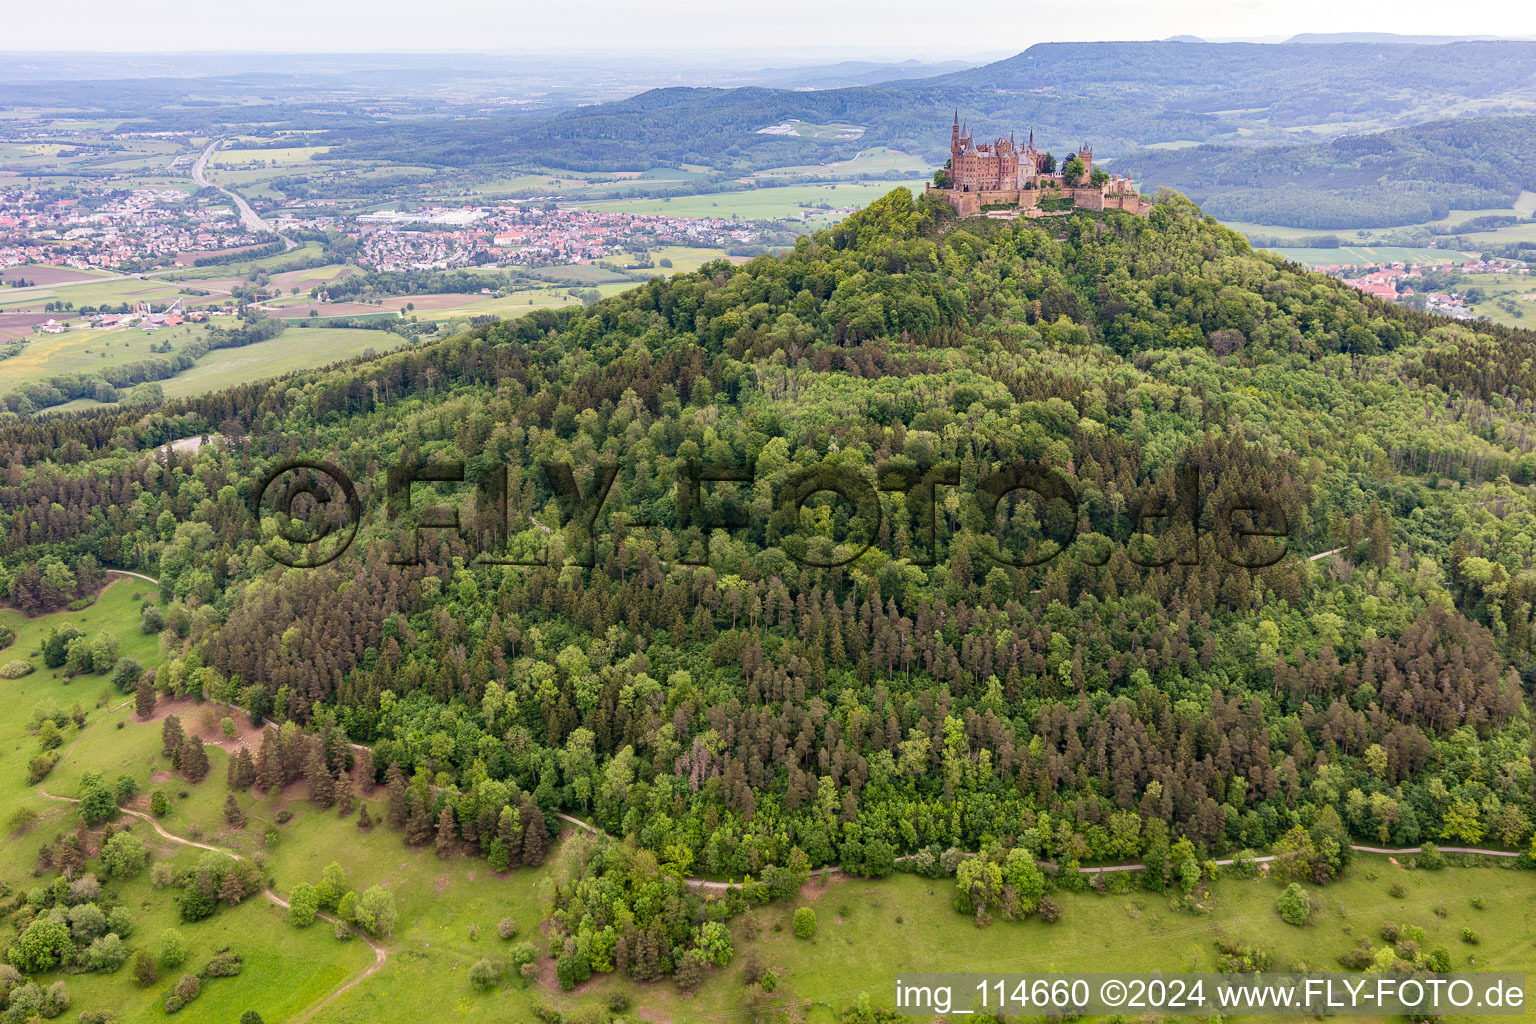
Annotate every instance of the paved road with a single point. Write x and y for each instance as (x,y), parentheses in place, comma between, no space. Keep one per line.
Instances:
(248,217)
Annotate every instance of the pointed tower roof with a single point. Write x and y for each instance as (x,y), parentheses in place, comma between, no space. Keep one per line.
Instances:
(957,116)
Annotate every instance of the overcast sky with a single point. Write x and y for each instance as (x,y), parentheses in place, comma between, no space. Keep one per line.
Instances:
(761,27)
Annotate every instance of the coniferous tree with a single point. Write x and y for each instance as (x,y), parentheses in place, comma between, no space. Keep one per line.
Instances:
(509,832)
(194,760)
(269,768)
(234,817)
(322,789)
(398,809)
(346,796)
(363,769)
(534,836)
(232,889)
(445,832)
(144,697)
(418,820)
(172,739)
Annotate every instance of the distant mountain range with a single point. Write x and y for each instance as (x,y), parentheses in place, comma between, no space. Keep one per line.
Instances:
(1306,38)
(1120,97)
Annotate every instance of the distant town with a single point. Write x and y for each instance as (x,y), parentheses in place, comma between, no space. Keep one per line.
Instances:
(143,229)
(1395,283)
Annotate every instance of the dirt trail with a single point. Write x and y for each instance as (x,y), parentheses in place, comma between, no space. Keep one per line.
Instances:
(380,953)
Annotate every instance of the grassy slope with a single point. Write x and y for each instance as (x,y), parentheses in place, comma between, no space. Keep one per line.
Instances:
(868,931)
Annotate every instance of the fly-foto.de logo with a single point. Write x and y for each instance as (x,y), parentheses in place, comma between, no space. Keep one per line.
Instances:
(309,514)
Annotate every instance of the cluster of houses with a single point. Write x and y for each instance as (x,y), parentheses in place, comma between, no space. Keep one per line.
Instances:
(107,228)
(543,234)
(1387,282)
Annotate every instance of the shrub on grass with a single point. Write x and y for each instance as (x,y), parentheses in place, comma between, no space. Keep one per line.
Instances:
(1295,905)
(484,974)
(184,991)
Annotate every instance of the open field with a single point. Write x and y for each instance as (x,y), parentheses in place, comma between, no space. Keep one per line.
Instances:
(1371,254)
(877,160)
(298,348)
(86,350)
(46,275)
(110,291)
(685,259)
(1510,298)
(759,203)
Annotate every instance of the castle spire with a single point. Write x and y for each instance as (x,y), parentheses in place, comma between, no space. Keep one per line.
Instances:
(957,116)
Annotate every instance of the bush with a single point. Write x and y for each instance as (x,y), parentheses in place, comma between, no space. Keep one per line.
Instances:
(39,767)
(1294,905)
(1049,910)
(224,965)
(124,855)
(186,990)
(106,954)
(15,669)
(43,946)
(303,903)
(173,949)
(1430,858)
(145,971)
(484,974)
(160,804)
(805,922)
(506,928)
(1469,936)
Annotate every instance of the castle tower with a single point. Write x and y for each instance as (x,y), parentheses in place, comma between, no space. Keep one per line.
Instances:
(1085,154)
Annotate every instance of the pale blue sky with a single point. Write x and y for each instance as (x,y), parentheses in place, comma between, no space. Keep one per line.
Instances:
(762,29)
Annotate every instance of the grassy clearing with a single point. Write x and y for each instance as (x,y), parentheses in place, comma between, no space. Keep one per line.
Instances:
(116,611)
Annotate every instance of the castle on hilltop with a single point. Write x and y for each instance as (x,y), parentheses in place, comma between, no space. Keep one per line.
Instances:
(1001,180)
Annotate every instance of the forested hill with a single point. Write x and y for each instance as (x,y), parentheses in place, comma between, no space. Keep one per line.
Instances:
(928,694)
(1382,179)
(1119,95)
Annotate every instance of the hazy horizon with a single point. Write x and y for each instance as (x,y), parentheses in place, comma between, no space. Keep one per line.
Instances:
(784,29)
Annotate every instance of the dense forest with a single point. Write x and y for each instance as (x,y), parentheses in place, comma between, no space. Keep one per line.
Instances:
(1039,619)
(1384,179)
